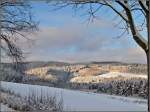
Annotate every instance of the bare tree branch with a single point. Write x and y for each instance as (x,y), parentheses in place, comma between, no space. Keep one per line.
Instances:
(136,35)
(15,20)
(143,5)
(134,5)
(119,13)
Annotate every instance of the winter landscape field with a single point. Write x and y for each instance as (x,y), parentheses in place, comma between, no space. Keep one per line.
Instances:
(78,87)
(80,101)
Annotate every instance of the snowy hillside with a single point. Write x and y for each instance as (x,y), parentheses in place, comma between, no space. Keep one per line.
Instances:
(97,78)
(81,101)
(117,74)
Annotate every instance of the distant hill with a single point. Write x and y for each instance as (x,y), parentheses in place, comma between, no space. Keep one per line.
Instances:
(108,62)
(35,64)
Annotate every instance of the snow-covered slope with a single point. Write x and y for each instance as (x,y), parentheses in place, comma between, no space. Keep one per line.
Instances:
(5,108)
(81,101)
(117,74)
(97,78)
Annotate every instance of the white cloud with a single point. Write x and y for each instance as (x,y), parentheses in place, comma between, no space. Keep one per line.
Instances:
(75,43)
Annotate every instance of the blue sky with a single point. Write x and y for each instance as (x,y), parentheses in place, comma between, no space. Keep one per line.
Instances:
(66,36)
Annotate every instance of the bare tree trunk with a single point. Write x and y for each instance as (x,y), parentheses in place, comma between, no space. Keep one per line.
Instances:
(148,70)
(148,60)
(148,65)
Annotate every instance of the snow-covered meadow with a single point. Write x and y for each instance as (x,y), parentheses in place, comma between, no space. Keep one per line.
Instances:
(97,78)
(119,74)
(80,101)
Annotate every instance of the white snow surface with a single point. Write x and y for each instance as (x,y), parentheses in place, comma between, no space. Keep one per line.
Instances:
(5,108)
(117,74)
(81,101)
(88,79)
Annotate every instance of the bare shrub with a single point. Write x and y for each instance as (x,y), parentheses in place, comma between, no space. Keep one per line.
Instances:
(9,74)
(32,102)
(46,102)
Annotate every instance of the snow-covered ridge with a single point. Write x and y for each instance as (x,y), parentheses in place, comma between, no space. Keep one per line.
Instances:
(81,101)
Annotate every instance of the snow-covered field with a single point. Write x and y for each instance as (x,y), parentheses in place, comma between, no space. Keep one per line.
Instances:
(81,101)
(117,74)
(88,79)
(5,108)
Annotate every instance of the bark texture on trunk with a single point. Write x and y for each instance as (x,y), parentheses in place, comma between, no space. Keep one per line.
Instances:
(148,59)
(148,69)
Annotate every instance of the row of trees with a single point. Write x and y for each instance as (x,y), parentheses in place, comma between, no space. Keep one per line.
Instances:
(135,87)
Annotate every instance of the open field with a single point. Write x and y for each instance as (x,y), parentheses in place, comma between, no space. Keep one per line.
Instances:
(81,101)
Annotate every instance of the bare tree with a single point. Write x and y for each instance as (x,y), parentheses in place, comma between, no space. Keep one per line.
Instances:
(134,14)
(15,20)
